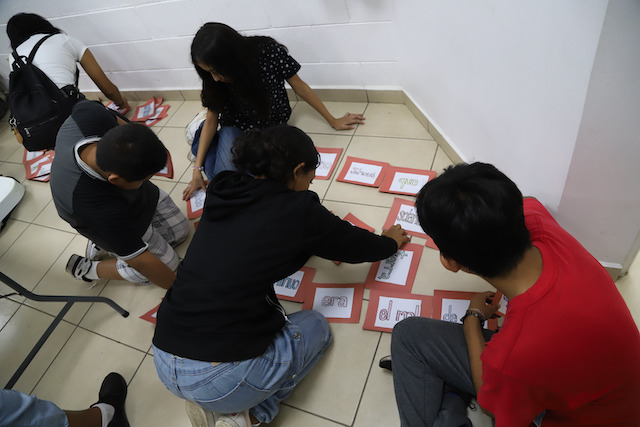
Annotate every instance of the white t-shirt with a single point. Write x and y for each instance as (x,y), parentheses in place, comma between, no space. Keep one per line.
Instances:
(57,57)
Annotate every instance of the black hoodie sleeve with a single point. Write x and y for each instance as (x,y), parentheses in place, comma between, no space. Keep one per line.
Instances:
(332,238)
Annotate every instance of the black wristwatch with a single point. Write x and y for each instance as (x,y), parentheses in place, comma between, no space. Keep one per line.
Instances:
(473,313)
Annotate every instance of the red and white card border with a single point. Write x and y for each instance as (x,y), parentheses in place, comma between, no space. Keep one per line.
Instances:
(374,301)
(372,283)
(356,307)
(338,153)
(307,280)
(351,160)
(389,177)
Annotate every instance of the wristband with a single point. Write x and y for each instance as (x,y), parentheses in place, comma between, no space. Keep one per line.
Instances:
(200,168)
(475,314)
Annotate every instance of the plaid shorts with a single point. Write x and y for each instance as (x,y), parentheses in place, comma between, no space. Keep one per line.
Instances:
(169,227)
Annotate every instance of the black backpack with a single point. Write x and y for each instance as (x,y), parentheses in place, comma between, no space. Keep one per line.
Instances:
(38,106)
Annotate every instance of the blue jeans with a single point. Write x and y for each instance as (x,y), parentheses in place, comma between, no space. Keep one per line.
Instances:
(257,384)
(19,409)
(219,157)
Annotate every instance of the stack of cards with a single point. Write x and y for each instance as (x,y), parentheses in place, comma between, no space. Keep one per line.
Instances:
(151,112)
(37,164)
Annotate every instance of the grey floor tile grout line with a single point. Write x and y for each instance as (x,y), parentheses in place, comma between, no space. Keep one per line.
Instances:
(284,403)
(366,381)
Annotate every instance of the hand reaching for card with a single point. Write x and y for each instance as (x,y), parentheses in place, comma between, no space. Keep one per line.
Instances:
(398,234)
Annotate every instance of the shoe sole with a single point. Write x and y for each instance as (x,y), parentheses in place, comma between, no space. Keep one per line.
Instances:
(71,265)
(199,416)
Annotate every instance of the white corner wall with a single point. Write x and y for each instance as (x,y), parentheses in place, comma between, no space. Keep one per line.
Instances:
(144,44)
(504,82)
(601,199)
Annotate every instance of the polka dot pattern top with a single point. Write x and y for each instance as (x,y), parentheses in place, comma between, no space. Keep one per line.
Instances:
(276,66)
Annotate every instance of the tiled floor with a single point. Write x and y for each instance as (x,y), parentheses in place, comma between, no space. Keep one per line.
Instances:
(346,388)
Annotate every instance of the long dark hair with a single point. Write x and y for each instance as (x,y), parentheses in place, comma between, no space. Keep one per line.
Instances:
(23,25)
(275,152)
(236,58)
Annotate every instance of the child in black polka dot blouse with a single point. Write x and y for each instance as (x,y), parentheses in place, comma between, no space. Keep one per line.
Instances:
(242,88)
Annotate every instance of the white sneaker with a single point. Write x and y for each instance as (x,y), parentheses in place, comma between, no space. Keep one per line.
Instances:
(238,419)
(78,266)
(94,252)
(199,416)
(193,126)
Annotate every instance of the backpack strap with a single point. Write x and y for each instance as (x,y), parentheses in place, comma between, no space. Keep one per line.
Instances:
(19,62)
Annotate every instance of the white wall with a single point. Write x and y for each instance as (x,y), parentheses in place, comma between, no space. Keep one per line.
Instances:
(601,199)
(505,82)
(144,44)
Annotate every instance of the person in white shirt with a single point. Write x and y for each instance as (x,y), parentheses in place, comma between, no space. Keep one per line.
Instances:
(59,55)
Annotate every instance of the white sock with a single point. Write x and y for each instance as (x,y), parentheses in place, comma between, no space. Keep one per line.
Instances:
(92,274)
(107,412)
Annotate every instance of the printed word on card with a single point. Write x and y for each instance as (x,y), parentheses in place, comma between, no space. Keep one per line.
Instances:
(451,306)
(405,181)
(388,308)
(338,303)
(363,172)
(404,212)
(291,288)
(195,205)
(329,158)
(397,272)
(144,112)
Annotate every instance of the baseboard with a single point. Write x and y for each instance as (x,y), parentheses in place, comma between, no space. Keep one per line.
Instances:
(387,96)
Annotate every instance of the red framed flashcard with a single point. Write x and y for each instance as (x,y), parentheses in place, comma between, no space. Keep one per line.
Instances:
(291,288)
(39,167)
(338,303)
(32,156)
(150,316)
(112,106)
(195,204)
(329,158)
(167,171)
(363,172)
(405,180)
(397,272)
(387,308)
(404,212)
(143,112)
(450,306)
(160,113)
(499,298)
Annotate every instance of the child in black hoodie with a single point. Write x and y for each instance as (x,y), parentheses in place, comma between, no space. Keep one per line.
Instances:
(222,340)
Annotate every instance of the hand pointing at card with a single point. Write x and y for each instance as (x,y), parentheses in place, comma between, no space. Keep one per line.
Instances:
(398,234)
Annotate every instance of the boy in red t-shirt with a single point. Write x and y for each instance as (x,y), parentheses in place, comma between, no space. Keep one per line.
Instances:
(568,353)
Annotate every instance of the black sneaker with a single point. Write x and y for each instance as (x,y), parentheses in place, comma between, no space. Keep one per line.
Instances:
(385,363)
(113,391)
(78,266)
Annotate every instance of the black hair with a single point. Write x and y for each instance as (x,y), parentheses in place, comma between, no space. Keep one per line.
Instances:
(23,25)
(236,58)
(131,151)
(275,152)
(475,216)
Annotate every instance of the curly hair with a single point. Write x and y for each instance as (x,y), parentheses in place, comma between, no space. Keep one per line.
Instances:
(275,152)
